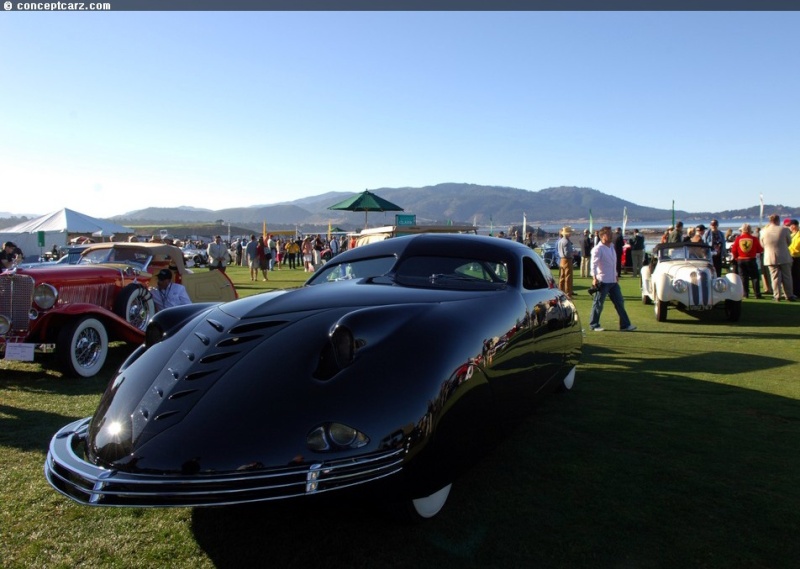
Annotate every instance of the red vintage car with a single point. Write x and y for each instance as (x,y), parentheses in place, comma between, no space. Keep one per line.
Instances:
(78,309)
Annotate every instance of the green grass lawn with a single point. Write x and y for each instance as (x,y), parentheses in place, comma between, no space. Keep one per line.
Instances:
(678,447)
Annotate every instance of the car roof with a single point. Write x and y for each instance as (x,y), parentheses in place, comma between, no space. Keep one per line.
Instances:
(159,251)
(432,244)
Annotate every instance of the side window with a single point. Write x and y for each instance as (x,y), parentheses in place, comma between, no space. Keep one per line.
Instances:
(532,277)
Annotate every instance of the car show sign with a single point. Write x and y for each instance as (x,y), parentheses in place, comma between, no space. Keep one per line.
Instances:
(19,352)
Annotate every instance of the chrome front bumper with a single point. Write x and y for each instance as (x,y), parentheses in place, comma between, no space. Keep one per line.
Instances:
(88,484)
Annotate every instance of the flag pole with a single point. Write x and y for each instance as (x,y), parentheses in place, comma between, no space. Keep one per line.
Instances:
(524,226)
(624,218)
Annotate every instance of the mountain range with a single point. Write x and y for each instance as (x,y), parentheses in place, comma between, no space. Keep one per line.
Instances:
(442,203)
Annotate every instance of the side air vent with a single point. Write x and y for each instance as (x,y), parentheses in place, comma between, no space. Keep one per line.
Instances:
(237,341)
(217,357)
(255,326)
(199,374)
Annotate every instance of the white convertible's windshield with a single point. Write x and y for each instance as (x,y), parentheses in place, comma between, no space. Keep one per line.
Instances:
(682,253)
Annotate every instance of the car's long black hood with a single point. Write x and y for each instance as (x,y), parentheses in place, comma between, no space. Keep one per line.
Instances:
(235,388)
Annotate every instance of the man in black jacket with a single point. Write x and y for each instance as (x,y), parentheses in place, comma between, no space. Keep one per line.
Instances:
(586,253)
(619,243)
(637,252)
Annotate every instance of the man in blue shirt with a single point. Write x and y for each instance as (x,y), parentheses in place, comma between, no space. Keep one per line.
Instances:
(564,249)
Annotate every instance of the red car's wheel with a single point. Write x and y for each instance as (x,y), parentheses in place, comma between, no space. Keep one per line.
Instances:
(82,347)
(135,304)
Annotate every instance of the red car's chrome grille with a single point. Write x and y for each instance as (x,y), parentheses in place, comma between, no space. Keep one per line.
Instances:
(99,294)
(16,296)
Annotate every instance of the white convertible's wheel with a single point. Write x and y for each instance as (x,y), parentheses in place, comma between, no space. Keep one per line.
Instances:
(661,309)
(733,309)
(82,347)
(429,506)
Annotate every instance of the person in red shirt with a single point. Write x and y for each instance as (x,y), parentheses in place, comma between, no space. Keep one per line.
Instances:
(745,249)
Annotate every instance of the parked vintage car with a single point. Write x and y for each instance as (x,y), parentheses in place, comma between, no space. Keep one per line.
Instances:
(550,254)
(682,275)
(194,257)
(78,309)
(398,363)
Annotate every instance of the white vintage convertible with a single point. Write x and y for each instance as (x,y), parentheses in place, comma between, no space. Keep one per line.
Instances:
(682,275)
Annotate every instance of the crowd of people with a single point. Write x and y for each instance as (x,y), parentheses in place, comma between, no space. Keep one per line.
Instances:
(274,253)
(767,260)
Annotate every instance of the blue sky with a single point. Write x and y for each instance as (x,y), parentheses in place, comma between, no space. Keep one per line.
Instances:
(113,112)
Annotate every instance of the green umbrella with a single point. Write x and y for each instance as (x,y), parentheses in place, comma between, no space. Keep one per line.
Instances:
(366,201)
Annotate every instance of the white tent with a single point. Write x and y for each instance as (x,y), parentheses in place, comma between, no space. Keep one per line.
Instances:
(58,227)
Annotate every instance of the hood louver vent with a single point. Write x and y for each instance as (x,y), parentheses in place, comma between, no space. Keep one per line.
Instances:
(171,398)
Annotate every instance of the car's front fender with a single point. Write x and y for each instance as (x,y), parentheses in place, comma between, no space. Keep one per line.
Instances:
(48,325)
(662,286)
(647,285)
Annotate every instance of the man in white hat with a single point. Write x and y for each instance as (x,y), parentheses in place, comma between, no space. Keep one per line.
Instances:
(564,249)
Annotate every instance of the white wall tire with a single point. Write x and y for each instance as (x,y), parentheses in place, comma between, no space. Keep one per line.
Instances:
(82,347)
(135,304)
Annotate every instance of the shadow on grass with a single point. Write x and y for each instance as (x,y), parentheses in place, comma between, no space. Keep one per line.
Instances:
(45,376)
(625,471)
(30,429)
(713,363)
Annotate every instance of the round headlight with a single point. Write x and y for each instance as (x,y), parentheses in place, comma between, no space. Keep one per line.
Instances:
(5,325)
(679,286)
(720,285)
(45,296)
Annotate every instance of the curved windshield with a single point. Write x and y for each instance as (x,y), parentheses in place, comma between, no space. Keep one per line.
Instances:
(359,269)
(683,253)
(452,272)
